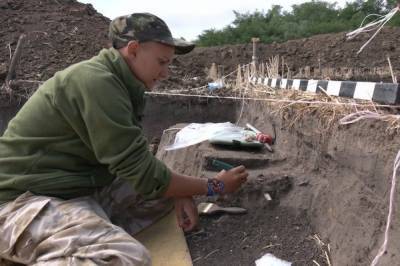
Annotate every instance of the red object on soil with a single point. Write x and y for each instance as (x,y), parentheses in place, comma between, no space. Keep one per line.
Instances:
(264,138)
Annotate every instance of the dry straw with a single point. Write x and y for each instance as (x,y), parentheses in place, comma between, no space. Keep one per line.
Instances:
(295,105)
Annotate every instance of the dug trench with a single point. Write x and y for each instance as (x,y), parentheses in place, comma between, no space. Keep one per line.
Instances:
(329,186)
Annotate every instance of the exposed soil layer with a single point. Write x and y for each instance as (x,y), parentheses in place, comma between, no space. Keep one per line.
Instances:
(242,240)
(266,228)
(340,181)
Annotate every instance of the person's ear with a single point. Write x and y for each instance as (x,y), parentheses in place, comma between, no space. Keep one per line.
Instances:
(133,47)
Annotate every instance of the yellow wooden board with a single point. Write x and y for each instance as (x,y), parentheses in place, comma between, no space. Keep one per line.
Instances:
(166,242)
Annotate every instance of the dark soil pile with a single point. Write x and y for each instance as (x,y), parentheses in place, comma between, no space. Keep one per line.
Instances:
(63,32)
(332,52)
(59,33)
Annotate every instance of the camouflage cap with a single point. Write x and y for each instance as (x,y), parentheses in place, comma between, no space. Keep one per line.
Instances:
(145,27)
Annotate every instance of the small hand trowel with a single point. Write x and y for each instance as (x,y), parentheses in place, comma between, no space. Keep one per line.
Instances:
(208,208)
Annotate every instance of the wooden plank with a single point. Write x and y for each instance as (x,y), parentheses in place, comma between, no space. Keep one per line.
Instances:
(166,242)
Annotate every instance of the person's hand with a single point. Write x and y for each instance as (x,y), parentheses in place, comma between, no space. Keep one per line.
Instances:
(186,213)
(233,178)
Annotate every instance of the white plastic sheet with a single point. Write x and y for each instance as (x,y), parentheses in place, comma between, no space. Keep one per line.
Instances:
(195,133)
(270,260)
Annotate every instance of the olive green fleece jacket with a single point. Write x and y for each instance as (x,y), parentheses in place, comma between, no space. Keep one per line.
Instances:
(78,132)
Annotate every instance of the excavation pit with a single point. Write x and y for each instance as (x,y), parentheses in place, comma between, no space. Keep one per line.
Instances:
(329,185)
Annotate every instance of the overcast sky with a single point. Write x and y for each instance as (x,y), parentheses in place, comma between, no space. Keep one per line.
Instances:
(187,18)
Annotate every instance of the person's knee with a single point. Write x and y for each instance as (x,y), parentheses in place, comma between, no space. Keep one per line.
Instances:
(125,250)
(143,257)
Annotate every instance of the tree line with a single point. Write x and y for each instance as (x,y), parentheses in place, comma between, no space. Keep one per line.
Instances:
(304,20)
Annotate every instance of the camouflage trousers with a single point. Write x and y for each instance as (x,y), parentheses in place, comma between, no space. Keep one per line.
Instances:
(95,230)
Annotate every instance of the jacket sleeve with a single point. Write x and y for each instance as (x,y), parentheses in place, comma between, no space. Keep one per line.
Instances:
(100,111)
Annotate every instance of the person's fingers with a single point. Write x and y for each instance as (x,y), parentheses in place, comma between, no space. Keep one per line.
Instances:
(238,169)
(186,213)
(243,174)
(221,173)
(193,219)
(187,224)
(179,216)
(190,214)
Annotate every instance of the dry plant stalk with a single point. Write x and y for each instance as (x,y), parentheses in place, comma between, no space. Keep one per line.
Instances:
(273,67)
(262,70)
(394,79)
(239,79)
(288,75)
(325,249)
(294,106)
(247,74)
(327,115)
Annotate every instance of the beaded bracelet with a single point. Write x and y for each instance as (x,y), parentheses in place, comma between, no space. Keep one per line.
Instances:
(215,187)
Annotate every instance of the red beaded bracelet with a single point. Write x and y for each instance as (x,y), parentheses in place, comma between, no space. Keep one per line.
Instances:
(215,187)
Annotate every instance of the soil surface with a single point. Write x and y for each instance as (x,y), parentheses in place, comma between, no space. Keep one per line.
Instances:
(327,56)
(268,226)
(226,239)
(63,32)
(59,33)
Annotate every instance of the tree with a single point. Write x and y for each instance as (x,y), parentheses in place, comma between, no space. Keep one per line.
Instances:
(304,20)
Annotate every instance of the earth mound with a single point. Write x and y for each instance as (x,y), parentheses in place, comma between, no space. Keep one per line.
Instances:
(63,32)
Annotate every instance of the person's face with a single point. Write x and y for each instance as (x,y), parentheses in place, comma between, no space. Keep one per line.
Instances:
(149,61)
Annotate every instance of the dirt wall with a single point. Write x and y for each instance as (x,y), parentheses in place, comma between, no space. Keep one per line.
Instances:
(163,112)
(347,170)
(341,178)
(341,175)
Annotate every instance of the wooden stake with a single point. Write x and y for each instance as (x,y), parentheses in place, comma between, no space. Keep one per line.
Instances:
(239,78)
(254,57)
(14,62)
(247,74)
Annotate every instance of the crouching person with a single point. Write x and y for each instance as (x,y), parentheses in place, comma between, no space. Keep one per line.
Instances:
(77,179)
